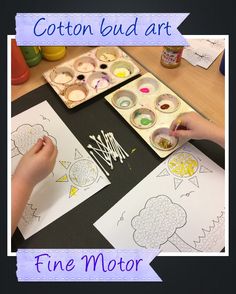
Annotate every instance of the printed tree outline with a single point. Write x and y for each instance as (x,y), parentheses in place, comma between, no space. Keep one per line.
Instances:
(25,136)
(158,222)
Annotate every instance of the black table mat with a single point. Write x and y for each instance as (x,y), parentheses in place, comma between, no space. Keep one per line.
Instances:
(75,229)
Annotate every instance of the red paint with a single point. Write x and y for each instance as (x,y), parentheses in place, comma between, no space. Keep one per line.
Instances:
(144,90)
(165,106)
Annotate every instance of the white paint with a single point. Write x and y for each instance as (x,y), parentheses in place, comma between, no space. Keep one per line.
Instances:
(76,95)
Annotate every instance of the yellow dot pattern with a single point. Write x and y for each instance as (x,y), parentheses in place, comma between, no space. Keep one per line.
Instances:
(183,164)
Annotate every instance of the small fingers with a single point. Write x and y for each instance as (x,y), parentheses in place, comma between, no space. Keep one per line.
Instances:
(37,146)
(48,146)
(181,133)
(173,125)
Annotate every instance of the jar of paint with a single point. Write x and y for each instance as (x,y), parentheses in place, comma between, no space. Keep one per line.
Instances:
(53,53)
(171,56)
(20,72)
(31,54)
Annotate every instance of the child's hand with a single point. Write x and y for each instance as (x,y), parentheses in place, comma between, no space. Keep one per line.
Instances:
(193,126)
(34,166)
(37,163)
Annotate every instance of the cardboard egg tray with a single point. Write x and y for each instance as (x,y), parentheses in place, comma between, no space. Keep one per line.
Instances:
(149,107)
(89,74)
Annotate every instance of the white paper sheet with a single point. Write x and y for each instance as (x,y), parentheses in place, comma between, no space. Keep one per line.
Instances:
(179,206)
(75,177)
(203,52)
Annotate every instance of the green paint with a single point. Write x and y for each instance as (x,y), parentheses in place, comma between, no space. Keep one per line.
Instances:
(137,113)
(145,121)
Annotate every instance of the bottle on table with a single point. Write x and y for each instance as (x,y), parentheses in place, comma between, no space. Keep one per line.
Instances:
(20,72)
(171,56)
(32,55)
(53,53)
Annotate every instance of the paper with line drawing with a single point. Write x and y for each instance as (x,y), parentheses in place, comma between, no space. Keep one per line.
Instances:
(179,206)
(74,179)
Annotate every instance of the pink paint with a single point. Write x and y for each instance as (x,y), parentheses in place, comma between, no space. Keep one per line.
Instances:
(144,90)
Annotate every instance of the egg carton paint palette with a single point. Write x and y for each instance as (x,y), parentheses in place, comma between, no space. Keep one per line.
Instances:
(149,107)
(89,74)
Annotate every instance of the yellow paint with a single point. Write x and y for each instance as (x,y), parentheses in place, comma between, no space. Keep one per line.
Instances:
(121,72)
(63,179)
(133,150)
(73,191)
(183,165)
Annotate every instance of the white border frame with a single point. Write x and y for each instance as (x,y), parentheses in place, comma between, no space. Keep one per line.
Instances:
(226,253)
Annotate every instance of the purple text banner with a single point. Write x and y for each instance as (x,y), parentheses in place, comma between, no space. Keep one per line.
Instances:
(99,29)
(96,265)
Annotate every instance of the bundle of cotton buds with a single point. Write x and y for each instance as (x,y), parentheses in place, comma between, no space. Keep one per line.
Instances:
(108,149)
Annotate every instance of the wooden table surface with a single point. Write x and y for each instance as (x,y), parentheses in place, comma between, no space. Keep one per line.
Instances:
(202,89)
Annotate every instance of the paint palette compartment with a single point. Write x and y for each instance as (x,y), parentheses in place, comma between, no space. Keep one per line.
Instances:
(82,78)
(161,139)
(149,106)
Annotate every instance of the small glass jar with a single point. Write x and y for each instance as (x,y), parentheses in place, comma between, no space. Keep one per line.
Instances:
(171,56)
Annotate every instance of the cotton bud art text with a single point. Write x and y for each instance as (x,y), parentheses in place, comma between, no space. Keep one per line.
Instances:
(99,29)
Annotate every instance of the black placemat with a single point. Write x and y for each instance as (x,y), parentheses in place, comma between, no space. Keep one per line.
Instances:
(75,229)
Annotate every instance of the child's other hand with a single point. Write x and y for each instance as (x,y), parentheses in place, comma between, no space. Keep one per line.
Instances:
(37,163)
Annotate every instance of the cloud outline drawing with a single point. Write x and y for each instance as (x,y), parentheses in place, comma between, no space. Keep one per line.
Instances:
(25,136)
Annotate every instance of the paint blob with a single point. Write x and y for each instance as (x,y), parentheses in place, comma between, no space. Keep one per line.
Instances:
(85,66)
(145,121)
(63,77)
(76,95)
(80,77)
(167,103)
(124,102)
(103,66)
(121,72)
(100,83)
(144,90)
(165,106)
(106,57)
(143,118)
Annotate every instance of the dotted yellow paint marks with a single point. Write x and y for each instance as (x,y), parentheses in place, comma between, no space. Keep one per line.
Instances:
(73,191)
(63,179)
(183,165)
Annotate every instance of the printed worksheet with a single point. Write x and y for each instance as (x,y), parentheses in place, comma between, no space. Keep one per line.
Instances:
(75,177)
(203,52)
(179,206)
